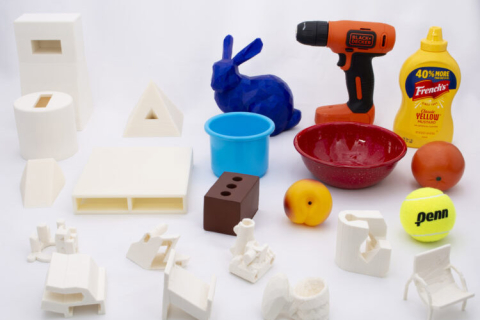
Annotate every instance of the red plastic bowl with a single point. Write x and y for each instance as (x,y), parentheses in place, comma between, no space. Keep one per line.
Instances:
(350,155)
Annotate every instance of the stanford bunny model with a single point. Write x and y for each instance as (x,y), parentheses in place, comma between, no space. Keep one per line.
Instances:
(267,95)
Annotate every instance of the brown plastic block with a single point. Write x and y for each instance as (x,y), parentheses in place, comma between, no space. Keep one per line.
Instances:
(231,199)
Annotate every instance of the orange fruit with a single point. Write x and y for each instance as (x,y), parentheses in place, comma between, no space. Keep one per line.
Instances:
(438,164)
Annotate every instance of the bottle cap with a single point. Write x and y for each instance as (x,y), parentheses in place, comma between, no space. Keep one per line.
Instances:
(434,41)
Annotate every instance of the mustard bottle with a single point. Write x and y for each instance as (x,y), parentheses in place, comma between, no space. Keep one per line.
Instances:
(429,80)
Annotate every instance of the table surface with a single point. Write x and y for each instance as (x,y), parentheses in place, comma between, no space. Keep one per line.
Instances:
(175,44)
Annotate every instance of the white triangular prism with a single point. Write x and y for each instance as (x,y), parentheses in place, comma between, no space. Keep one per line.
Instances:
(154,116)
(42,181)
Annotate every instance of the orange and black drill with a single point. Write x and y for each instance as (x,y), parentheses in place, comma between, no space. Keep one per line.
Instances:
(356,43)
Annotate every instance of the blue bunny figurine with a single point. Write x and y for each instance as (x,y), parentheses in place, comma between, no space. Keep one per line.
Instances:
(267,95)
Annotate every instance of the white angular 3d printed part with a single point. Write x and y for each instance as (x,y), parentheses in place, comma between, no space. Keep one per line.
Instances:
(65,241)
(356,228)
(146,253)
(46,125)
(187,292)
(432,275)
(154,116)
(73,280)
(42,181)
(51,55)
(308,300)
(250,259)
(134,180)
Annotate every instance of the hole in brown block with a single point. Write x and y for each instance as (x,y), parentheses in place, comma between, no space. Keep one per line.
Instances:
(225,193)
(46,46)
(237,178)
(231,186)
(43,101)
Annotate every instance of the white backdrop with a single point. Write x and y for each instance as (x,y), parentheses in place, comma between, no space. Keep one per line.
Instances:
(175,43)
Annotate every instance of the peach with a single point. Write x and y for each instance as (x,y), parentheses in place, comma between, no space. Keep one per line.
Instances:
(307,202)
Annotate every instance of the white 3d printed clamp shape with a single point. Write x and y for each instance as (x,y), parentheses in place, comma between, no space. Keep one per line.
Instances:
(187,292)
(356,228)
(42,181)
(52,58)
(65,241)
(250,260)
(436,286)
(308,300)
(154,116)
(146,253)
(73,280)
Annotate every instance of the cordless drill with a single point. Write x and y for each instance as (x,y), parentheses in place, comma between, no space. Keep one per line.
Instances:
(356,43)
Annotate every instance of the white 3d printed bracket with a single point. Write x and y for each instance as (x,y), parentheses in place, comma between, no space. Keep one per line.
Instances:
(308,300)
(358,228)
(187,292)
(250,260)
(154,116)
(134,180)
(42,181)
(73,280)
(65,241)
(146,253)
(51,55)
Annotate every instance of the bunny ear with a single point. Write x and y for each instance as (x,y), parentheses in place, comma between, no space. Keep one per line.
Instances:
(227,47)
(248,52)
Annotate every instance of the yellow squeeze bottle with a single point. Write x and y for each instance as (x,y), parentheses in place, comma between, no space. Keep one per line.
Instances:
(429,80)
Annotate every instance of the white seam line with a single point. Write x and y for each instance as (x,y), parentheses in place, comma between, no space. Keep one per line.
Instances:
(430,197)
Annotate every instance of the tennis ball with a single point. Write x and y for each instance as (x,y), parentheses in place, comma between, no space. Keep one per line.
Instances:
(427,214)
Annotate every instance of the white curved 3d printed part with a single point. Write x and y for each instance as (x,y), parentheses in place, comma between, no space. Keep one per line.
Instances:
(154,116)
(187,292)
(65,241)
(134,180)
(42,181)
(147,252)
(363,228)
(436,286)
(250,259)
(308,300)
(51,56)
(46,125)
(73,280)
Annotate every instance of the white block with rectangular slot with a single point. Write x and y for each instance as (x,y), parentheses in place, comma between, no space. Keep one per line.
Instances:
(74,280)
(46,125)
(362,246)
(134,180)
(51,58)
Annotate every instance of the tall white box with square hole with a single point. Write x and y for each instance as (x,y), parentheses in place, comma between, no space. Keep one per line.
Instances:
(51,56)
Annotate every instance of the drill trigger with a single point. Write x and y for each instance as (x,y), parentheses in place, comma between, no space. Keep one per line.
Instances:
(342,59)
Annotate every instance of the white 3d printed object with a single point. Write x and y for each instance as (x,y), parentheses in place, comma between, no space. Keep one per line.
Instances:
(134,180)
(146,253)
(42,181)
(66,241)
(250,260)
(73,280)
(51,55)
(187,292)
(154,116)
(432,275)
(46,125)
(368,228)
(308,300)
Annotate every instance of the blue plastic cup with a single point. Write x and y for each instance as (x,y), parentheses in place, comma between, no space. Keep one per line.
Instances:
(239,142)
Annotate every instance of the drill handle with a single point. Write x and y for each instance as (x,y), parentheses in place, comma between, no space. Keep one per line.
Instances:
(360,82)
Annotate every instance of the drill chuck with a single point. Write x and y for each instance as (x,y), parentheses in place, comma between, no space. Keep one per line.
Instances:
(313,33)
